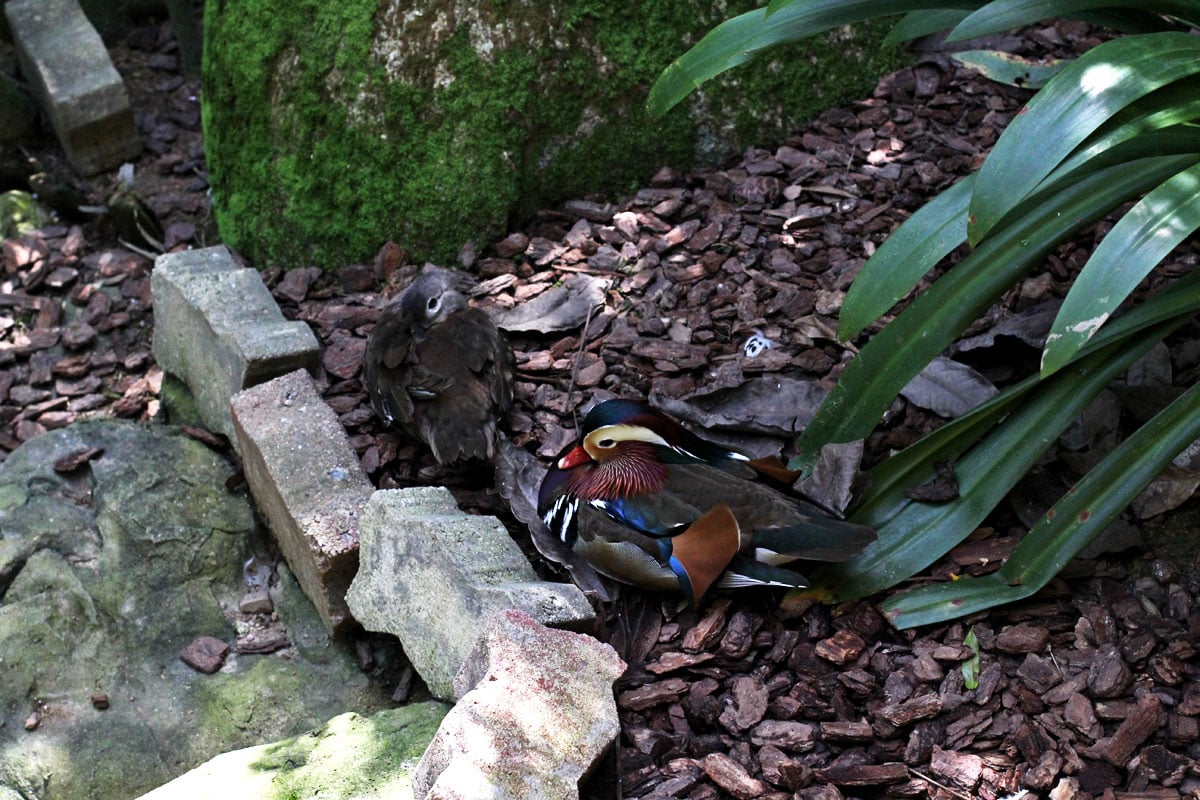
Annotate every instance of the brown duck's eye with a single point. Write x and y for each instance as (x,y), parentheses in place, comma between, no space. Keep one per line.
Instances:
(433,303)
(606,443)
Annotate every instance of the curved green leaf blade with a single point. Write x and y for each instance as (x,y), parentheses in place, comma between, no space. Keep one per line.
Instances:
(912,535)
(1074,104)
(1143,237)
(913,249)
(920,533)
(1004,15)
(894,355)
(916,24)
(738,39)
(1009,69)
(1076,520)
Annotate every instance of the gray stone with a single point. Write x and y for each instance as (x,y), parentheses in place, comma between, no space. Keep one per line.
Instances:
(434,575)
(539,719)
(106,574)
(351,757)
(73,78)
(218,329)
(308,483)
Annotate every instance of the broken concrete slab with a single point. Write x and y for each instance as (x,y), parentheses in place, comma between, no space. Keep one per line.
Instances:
(218,346)
(434,575)
(538,721)
(351,757)
(307,482)
(73,77)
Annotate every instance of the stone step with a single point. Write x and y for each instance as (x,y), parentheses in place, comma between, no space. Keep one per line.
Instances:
(307,482)
(73,77)
(217,328)
(434,575)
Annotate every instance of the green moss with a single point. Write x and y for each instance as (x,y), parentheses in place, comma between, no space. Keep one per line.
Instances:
(318,155)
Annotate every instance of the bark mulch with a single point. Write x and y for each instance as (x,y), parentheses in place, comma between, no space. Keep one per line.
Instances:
(713,284)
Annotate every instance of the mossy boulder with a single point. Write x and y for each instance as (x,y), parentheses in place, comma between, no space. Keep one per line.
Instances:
(334,127)
(107,571)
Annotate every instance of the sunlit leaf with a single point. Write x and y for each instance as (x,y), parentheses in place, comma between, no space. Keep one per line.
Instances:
(902,349)
(738,39)
(970,667)
(1140,239)
(1005,15)
(1075,103)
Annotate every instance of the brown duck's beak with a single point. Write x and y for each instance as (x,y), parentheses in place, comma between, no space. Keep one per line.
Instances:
(574,458)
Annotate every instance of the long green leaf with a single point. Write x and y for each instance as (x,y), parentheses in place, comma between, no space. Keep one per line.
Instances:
(922,532)
(1073,523)
(1073,105)
(916,24)
(1004,15)
(1140,239)
(885,498)
(739,38)
(902,349)
(905,256)
(1009,69)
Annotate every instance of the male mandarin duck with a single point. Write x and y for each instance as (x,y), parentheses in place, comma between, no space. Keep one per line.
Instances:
(648,503)
(439,370)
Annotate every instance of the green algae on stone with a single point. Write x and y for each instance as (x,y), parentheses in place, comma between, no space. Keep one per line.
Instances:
(106,573)
(350,756)
(333,127)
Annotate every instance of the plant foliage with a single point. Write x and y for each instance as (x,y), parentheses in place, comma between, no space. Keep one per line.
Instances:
(1117,125)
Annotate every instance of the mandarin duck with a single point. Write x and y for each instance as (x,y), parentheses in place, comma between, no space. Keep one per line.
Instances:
(439,369)
(648,503)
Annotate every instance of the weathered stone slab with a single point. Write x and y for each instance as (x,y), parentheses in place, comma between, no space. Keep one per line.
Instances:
(307,482)
(74,79)
(540,718)
(218,329)
(351,757)
(434,575)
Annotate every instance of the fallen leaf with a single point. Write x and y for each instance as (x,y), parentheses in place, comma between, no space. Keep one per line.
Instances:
(948,388)
(559,308)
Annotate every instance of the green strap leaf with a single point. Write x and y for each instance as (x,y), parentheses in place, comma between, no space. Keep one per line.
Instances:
(738,39)
(913,249)
(1075,103)
(1004,15)
(920,533)
(912,534)
(902,349)
(916,24)
(1009,69)
(1073,523)
(1139,241)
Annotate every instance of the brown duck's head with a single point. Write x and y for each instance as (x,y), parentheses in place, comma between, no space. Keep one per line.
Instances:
(431,298)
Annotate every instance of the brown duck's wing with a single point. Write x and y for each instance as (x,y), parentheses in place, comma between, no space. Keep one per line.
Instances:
(387,368)
(474,365)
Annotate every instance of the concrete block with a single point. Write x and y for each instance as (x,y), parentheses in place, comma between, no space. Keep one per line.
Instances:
(434,575)
(539,720)
(307,482)
(73,77)
(218,329)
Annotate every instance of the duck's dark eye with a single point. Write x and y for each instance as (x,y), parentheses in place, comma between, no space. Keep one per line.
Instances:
(606,443)
(433,304)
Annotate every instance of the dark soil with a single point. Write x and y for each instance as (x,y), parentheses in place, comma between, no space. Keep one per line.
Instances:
(1091,688)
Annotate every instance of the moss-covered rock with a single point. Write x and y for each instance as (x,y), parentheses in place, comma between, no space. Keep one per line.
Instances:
(333,127)
(351,757)
(106,573)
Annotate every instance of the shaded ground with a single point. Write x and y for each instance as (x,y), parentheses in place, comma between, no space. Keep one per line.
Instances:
(1090,688)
